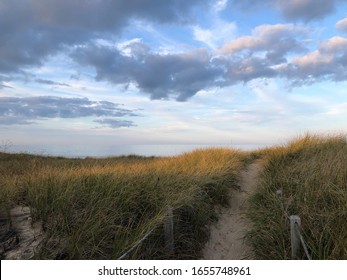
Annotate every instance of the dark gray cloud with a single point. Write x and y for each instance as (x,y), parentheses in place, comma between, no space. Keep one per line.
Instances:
(305,10)
(16,110)
(159,75)
(33,29)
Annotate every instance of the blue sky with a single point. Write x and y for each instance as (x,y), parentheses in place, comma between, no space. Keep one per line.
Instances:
(136,72)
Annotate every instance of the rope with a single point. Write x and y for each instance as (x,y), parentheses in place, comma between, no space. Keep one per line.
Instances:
(136,244)
(280,198)
(141,240)
(303,241)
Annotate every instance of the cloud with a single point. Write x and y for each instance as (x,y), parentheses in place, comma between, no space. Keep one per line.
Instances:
(276,40)
(32,30)
(249,68)
(337,109)
(161,76)
(220,5)
(204,35)
(51,83)
(305,10)
(219,30)
(257,56)
(115,123)
(4,86)
(328,62)
(27,110)
(342,25)
(3,80)
(267,53)
(252,4)
(218,34)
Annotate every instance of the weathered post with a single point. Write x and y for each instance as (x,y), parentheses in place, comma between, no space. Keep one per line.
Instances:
(169,230)
(294,236)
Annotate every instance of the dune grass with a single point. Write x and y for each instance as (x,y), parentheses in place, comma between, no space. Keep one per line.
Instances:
(311,174)
(99,208)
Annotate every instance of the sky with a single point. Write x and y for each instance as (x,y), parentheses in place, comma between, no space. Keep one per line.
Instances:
(99,73)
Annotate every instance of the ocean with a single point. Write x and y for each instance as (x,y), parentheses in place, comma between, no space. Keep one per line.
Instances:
(82,151)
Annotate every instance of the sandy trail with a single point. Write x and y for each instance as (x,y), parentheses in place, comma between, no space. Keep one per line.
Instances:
(227,236)
(27,238)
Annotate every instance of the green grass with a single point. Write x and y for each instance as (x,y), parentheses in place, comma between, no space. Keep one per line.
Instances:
(311,172)
(99,208)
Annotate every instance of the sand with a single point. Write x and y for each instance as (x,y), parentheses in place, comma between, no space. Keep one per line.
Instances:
(227,240)
(27,237)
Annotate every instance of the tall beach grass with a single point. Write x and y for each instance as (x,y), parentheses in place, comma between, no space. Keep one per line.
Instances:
(306,177)
(99,208)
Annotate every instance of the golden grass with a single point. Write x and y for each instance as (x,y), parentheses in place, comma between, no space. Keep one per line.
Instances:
(98,208)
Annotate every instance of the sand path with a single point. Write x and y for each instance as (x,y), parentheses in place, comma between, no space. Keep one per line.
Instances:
(27,238)
(227,236)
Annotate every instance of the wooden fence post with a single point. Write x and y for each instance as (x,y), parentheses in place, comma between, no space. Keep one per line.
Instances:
(169,230)
(294,236)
